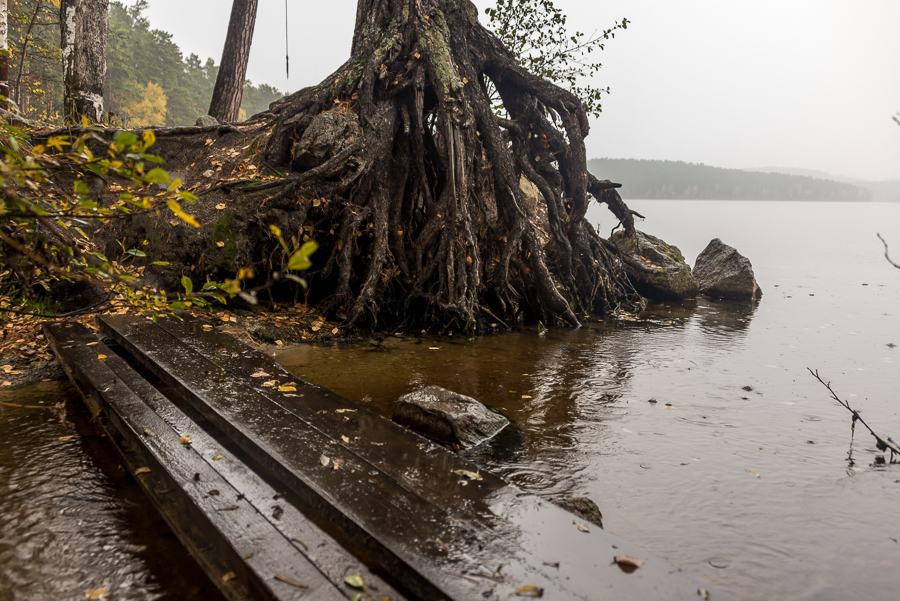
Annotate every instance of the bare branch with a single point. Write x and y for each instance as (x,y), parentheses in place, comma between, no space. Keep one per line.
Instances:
(880,443)
(886,255)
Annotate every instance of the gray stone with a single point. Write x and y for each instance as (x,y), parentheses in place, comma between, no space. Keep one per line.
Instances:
(328,133)
(447,416)
(656,269)
(722,272)
(582,507)
(206,121)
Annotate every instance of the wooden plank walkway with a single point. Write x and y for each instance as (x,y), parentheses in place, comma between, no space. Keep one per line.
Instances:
(407,505)
(252,545)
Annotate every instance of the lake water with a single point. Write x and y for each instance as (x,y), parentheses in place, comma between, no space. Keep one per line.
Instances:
(751,491)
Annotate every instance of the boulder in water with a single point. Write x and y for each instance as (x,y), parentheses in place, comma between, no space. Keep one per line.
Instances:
(722,272)
(656,269)
(446,416)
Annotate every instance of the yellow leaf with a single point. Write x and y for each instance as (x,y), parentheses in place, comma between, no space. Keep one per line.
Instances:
(259,374)
(468,474)
(279,343)
(176,208)
(529,591)
(221,206)
(101,357)
(141,470)
(270,383)
(96,593)
(287,388)
(218,456)
(64,438)
(345,439)
(185,440)
(220,244)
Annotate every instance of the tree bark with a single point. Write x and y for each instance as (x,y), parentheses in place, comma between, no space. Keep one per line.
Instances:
(229,89)
(83,27)
(4,55)
(425,222)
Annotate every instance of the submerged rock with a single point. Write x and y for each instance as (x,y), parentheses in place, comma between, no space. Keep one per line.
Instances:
(447,416)
(656,269)
(582,507)
(722,272)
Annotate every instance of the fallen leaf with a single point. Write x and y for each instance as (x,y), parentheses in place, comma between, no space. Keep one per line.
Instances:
(335,331)
(208,173)
(96,593)
(582,527)
(220,244)
(91,343)
(628,562)
(101,357)
(324,461)
(753,474)
(287,388)
(259,374)
(218,456)
(229,576)
(525,396)
(221,206)
(141,470)
(704,594)
(529,591)
(344,438)
(279,342)
(149,432)
(434,348)
(185,440)
(468,474)
(65,438)
(270,383)
(207,327)
(344,410)
(355,580)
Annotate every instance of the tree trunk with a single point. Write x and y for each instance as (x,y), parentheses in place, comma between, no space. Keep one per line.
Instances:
(83,26)
(4,55)
(421,219)
(226,98)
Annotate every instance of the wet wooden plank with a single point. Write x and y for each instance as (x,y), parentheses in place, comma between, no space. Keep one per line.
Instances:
(240,550)
(443,534)
(323,551)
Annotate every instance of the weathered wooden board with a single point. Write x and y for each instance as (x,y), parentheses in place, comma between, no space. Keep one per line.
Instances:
(408,502)
(251,543)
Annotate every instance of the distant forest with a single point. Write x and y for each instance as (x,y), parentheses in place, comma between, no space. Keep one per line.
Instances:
(678,180)
(149,81)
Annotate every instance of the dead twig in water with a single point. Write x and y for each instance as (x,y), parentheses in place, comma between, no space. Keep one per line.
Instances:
(886,255)
(880,443)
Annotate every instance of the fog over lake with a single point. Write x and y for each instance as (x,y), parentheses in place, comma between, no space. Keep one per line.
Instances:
(804,84)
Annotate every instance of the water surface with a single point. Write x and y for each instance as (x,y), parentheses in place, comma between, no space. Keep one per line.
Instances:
(749,490)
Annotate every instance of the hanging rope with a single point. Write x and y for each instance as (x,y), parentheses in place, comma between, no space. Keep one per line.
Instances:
(287,57)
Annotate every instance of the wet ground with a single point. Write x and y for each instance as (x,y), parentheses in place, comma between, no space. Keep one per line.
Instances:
(750,490)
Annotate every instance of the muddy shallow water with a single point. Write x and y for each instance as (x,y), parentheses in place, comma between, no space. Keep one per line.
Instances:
(750,490)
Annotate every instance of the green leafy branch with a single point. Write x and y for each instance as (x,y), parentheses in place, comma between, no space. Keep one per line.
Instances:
(535,32)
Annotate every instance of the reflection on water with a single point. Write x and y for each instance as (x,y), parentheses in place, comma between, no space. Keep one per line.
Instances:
(70,519)
(697,429)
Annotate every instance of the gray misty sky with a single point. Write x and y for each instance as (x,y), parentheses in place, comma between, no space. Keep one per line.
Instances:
(746,83)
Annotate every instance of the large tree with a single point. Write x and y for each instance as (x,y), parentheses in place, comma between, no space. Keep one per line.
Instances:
(420,211)
(226,98)
(83,25)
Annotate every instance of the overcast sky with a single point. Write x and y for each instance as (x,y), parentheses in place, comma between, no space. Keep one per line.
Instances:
(746,83)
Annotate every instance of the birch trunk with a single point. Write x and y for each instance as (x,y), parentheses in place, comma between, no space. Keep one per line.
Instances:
(4,55)
(229,89)
(83,26)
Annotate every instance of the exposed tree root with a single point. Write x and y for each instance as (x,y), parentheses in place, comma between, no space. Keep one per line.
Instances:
(421,218)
